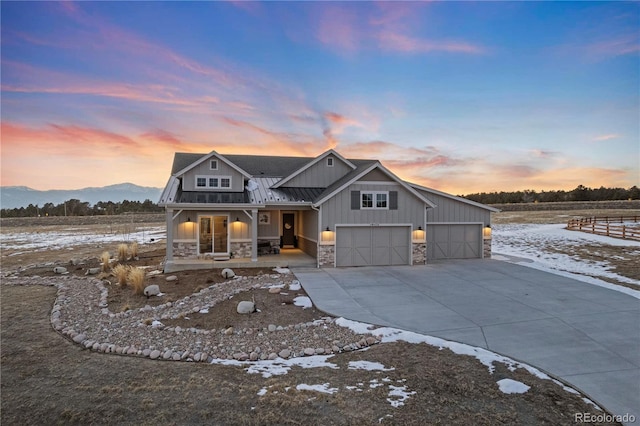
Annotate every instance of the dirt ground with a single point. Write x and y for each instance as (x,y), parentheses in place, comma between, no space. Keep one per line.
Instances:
(46,379)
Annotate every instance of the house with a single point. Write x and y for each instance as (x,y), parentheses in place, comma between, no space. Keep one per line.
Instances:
(342,212)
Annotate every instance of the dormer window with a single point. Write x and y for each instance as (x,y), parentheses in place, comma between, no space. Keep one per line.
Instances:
(213,182)
(213,164)
(329,161)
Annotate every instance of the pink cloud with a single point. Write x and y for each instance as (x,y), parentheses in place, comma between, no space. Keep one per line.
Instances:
(402,43)
(338,27)
(607,137)
(391,27)
(626,44)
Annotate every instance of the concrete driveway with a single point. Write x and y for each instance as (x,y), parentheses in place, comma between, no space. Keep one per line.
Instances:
(587,335)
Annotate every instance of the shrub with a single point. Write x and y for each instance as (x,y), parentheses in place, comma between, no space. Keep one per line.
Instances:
(105,258)
(136,280)
(122,252)
(121,272)
(133,250)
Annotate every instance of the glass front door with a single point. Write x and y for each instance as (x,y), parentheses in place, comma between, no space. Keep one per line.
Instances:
(213,235)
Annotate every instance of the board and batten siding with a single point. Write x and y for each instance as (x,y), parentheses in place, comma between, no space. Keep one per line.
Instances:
(308,232)
(450,210)
(320,175)
(338,208)
(204,169)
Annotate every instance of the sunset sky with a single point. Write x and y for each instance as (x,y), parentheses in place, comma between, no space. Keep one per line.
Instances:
(459,96)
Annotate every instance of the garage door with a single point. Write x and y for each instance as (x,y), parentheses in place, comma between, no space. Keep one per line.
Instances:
(373,245)
(454,241)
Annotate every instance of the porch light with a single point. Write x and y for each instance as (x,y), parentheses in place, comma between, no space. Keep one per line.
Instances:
(486,232)
(418,235)
(188,219)
(237,219)
(327,235)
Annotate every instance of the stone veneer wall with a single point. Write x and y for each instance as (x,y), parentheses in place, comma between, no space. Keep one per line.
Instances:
(326,255)
(185,250)
(486,247)
(419,253)
(240,250)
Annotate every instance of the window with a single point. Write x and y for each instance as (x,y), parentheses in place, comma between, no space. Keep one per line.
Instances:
(367,201)
(213,164)
(374,200)
(213,182)
(330,162)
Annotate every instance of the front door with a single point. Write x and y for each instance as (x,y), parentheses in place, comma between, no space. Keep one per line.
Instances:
(213,235)
(288,229)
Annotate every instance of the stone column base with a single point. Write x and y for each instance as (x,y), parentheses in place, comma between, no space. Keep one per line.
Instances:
(486,249)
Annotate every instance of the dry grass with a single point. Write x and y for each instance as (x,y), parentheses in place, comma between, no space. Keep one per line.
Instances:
(105,258)
(135,278)
(123,250)
(121,272)
(133,250)
(554,216)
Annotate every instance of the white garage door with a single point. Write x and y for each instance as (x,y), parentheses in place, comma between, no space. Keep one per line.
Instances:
(454,241)
(373,245)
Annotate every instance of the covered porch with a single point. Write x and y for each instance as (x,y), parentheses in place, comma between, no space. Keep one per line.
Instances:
(288,257)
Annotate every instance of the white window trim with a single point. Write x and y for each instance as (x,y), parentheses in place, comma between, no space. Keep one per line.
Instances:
(373,200)
(208,186)
(211,162)
(330,161)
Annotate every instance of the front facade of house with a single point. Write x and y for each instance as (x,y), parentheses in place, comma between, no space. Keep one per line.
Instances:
(342,212)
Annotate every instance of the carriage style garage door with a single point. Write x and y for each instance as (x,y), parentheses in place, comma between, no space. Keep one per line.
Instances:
(373,245)
(454,241)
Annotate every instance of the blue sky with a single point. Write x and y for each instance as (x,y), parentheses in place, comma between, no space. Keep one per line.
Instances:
(459,96)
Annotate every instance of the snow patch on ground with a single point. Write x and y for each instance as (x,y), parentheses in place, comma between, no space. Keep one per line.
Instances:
(303,301)
(295,285)
(512,386)
(323,388)
(398,395)
(526,244)
(368,365)
(68,238)
(279,366)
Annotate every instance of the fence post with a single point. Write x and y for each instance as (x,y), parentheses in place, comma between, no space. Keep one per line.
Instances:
(607,229)
(624,229)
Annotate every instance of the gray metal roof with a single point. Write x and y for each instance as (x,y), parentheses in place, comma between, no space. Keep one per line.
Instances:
(264,194)
(212,197)
(255,165)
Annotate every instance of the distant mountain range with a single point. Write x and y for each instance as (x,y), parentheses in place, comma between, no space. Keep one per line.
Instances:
(21,196)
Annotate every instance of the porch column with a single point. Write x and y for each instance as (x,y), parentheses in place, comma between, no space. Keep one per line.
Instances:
(254,235)
(169,222)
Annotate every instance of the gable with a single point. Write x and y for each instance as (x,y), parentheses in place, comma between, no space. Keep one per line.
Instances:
(214,171)
(364,169)
(376,175)
(320,172)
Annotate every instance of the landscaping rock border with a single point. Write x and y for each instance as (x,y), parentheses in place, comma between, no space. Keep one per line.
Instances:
(81,313)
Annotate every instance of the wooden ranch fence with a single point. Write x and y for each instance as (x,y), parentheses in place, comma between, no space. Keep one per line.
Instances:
(611,226)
